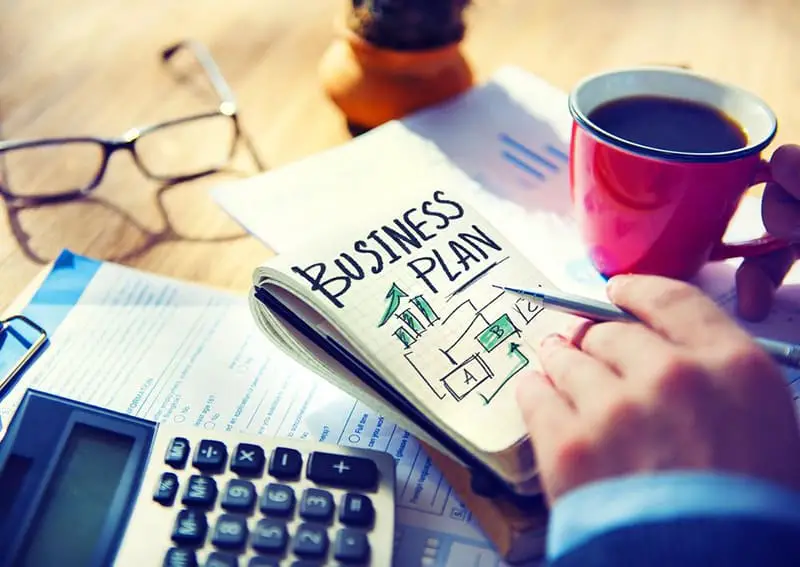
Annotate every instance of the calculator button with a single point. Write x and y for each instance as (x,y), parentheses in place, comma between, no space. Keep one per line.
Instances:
(263,562)
(217,559)
(248,460)
(356,510)
(180,557)
(310,541)
(190,527)
(277,500)
(200,491)
(177,453)
(342,470)
(316,505)
(285,463)
(239,496)
(351,546)
(230,532)
(210,456)
(166,489)
(270,536)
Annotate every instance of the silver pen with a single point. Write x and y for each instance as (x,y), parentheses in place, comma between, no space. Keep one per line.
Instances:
(784,353)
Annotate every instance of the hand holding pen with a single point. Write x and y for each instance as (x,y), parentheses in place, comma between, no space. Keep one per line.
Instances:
(688,390)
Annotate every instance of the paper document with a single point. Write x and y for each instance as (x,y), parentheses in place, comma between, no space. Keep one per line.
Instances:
(508,142)
(176,352)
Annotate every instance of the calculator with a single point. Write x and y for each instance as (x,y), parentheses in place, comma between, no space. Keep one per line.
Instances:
(85,486)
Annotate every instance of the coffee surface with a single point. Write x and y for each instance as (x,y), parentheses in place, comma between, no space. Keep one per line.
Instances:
(669,124)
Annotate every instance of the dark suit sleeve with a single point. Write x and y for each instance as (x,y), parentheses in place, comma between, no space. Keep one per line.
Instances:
(676,520)
(696,542)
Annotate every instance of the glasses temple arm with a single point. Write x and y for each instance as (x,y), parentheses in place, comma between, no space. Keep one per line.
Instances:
(208,64)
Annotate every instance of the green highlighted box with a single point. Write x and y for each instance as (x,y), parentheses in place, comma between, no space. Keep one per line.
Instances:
(496,333)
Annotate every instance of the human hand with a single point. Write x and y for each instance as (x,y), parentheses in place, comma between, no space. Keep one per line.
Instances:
(688,389)
(759,277)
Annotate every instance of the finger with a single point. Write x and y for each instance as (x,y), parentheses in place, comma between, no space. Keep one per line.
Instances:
(781,212)
(675,309)
(548,417)
(758,278)
(581,379)
(630,349)
(785,168)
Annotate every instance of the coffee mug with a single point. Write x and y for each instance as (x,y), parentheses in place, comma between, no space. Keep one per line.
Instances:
(659,159)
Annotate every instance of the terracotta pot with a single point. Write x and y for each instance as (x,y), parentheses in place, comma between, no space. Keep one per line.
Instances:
(373,85)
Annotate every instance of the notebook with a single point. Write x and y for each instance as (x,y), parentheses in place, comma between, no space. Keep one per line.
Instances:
(402,309)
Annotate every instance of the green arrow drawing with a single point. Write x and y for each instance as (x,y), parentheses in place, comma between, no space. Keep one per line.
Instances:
(394,295)
(522,362)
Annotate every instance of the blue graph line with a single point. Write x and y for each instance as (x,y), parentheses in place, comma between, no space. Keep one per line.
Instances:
(552,150)
(541,160)
(522,165)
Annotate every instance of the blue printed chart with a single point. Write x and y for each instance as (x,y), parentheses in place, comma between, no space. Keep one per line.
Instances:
(533,164)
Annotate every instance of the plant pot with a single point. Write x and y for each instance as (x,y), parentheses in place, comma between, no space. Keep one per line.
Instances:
(372,85)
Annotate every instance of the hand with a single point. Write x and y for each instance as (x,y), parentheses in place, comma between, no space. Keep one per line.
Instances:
(759,277)
(689,389)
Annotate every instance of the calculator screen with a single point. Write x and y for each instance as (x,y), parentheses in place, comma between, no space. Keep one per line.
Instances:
(70,520)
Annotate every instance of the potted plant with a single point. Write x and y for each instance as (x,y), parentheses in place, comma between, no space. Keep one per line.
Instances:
(392,57)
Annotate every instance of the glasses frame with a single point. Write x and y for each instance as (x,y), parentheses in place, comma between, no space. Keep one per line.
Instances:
(226,107)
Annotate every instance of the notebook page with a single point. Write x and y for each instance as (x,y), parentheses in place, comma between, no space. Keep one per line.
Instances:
(417,295)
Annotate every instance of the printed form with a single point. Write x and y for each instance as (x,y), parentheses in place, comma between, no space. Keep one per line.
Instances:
(176,352)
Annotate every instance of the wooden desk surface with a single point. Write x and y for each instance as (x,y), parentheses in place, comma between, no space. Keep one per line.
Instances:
(93,67)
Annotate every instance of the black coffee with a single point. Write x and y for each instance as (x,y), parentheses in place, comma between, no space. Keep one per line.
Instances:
(669,124)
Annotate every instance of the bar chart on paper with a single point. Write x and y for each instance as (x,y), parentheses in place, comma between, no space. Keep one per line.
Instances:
(532,164)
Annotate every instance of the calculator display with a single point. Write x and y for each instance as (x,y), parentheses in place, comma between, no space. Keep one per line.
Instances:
(70,520)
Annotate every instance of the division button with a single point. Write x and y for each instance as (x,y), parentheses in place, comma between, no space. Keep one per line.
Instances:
(210,456)
(342,471)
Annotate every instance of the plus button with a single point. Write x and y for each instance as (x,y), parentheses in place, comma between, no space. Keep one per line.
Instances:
(341,467)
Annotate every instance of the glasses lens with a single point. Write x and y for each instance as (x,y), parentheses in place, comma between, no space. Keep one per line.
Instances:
(48,170)
(187,148)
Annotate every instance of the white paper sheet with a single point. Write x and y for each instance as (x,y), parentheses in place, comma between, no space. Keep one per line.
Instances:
(175,352)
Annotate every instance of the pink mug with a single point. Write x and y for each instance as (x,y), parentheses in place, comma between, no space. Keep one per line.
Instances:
(645,209)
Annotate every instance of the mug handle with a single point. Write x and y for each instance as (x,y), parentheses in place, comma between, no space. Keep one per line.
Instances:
(757,246)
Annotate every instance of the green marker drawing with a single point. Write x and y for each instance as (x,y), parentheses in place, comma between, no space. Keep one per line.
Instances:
(394,295)
(427,311)
(410,319)
(496,333)
(405,337)
(522,362)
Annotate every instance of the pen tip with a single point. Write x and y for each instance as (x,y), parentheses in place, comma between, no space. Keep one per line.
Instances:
(498,286)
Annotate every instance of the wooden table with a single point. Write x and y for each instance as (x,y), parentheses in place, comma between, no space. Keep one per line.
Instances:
(93,67)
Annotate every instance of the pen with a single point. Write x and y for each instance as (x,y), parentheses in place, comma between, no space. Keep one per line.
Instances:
(784,353)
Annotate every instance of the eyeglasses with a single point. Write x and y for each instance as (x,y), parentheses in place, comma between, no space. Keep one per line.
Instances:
(161,151)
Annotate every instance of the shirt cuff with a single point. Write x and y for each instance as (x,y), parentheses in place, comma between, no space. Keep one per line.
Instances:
(607,505)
